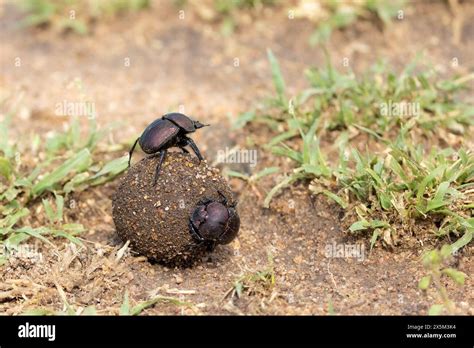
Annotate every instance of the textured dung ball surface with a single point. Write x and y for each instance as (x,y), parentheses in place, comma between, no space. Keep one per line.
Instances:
(156,218)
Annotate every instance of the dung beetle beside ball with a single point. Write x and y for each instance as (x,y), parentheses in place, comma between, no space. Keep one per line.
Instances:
(214,222)
(165,132)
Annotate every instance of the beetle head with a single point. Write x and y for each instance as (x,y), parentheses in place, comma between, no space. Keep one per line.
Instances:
(198,124)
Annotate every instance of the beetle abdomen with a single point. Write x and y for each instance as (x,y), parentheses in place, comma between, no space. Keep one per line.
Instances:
(158,135)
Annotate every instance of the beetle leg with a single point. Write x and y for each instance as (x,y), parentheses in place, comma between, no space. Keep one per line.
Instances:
(130,153)
(184,150)
(158,166)
(224,199)
(205,201)
(211,245)
(191,143)
(194,232)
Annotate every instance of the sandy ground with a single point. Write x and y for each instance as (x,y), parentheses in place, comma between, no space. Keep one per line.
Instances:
(187,64)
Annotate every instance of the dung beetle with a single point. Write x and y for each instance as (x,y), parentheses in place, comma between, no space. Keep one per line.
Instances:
(214,222)
(168,131)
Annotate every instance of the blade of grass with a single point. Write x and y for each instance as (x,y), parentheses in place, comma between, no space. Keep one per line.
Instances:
(277,77)
(77,163)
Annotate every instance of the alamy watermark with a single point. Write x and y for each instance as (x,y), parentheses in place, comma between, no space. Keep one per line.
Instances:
(356,251)
(75,108)
(404,109)
(237,156)
(28,330)
(23,251)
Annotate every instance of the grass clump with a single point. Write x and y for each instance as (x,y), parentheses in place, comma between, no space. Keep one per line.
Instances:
(331,15)
(126,309)
(381,100)
(327,15)
(228,13)
(399,180)
(260,282)
(436,263)
(395,175)
(36,177)
(75,15)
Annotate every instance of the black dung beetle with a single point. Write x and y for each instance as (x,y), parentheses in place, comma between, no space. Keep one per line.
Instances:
(214,222)
(165,132)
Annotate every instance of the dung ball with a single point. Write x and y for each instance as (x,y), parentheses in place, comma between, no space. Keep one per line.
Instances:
(158,220)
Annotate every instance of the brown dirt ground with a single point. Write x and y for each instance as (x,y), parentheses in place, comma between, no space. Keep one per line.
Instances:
(187,62)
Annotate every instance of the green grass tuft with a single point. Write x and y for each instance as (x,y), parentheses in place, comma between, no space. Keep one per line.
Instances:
(70,165)
(370,161)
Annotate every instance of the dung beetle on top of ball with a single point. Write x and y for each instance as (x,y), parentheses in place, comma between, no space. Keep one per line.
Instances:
(165,132)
